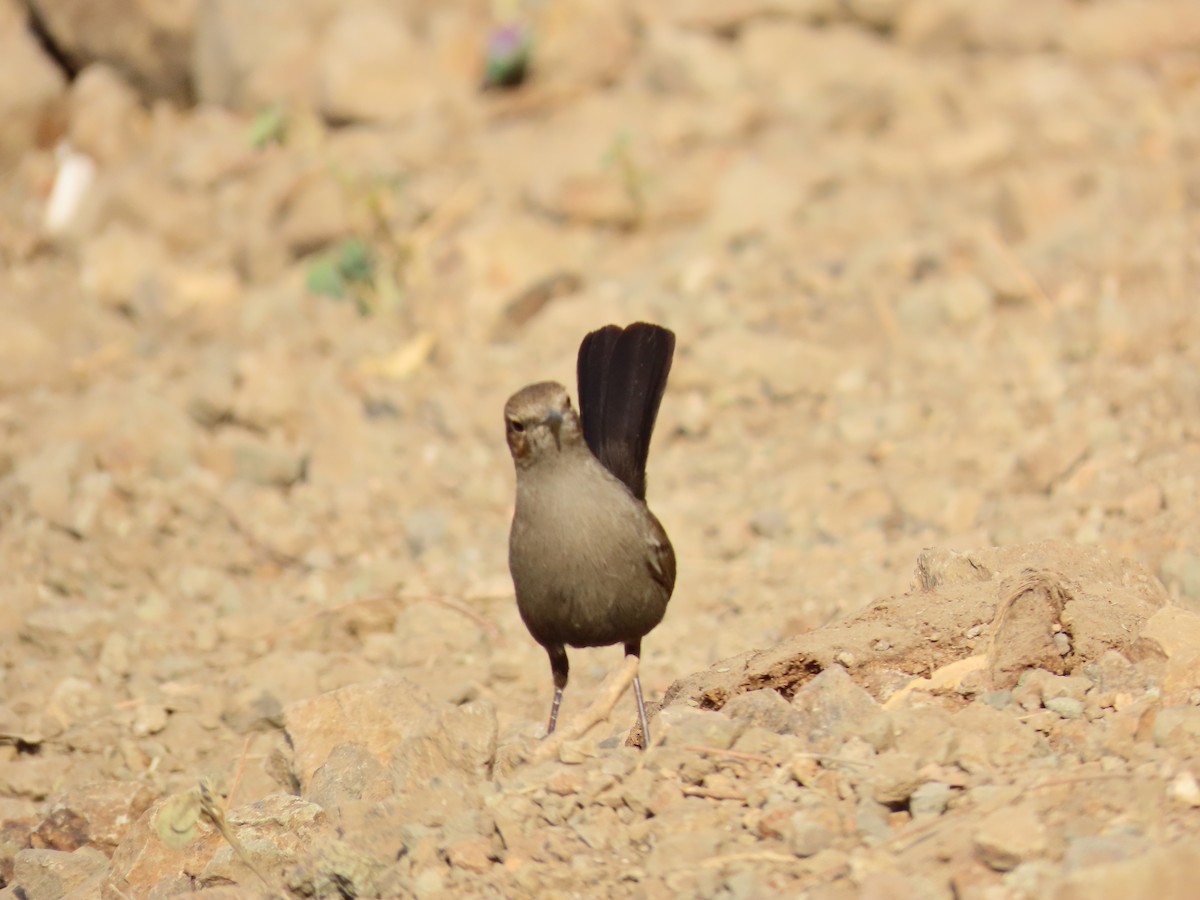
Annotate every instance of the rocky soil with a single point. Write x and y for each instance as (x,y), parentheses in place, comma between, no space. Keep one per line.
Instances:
(930,453)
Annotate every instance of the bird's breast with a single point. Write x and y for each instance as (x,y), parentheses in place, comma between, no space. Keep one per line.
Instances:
(579,552)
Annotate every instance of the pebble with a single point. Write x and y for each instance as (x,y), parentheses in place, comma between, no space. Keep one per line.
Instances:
(1067,707)
(929,800)
(1184,789)
(1010,836)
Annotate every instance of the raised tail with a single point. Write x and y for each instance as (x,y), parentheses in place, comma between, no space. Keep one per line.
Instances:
(622,374)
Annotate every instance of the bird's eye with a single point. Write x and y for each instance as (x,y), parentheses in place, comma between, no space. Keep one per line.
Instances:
(516,425)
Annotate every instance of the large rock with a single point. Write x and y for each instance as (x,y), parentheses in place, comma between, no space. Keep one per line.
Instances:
(371,68)
(247,55)
(107,121)
(1166,873)
(93,815)
(53,873)
(394,721)
(273,832)
(149,41)
(31,86)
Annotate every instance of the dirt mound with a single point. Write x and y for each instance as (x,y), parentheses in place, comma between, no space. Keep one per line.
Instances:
(1051,606)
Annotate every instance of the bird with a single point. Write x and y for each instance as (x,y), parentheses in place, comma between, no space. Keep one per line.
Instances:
(591,564)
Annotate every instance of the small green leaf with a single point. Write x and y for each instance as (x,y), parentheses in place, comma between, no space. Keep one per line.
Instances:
(325,279)
(269,127)
(354,262)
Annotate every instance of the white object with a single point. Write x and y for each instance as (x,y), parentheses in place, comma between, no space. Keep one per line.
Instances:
(76,174)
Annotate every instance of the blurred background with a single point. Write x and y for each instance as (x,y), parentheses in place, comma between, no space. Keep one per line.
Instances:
(269,270)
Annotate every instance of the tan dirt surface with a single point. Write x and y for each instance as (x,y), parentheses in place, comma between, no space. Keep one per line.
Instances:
(929,455)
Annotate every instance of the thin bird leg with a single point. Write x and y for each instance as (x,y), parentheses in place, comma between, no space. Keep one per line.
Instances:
(634,648)
(560,668)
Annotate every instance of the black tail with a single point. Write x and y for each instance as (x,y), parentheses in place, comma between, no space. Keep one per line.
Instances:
(622,375)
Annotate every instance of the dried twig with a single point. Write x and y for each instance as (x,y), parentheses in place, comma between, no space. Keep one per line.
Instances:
(598,711)
(241,766)
(1097,776)
(211,810)
(693,790)
(729,754)
(765,856)
(1014,262)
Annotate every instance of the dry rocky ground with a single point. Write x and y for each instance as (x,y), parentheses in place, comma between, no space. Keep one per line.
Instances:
(930,454)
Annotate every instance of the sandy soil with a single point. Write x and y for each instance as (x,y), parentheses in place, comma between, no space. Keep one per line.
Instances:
(929,456)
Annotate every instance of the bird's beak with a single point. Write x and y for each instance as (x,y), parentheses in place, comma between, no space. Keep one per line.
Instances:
(554,419)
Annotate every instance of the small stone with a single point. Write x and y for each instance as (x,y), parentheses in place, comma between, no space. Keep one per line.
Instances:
(344,868)
(833,708)
(1184,790)
(1067,707)
(350,773)
(1177,729)
(473,854)
(1010,836)
(429,883)
(988,738)
(871,822)
(764,708)
(579,751)
(565,782)
(267,463)
(894,777)
(811,834)
(150,718)
(965,300)
(680,725)
(253,708)
(804,770)
(107,120)
(929,800)
(1049,686)
(769,523)
(996,699)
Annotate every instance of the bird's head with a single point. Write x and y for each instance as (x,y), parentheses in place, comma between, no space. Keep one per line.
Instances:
(540,422)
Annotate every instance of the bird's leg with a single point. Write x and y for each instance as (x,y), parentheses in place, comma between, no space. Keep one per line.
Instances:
(560,668)
(634,648)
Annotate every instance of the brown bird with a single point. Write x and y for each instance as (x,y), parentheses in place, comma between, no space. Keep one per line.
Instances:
(591,564)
